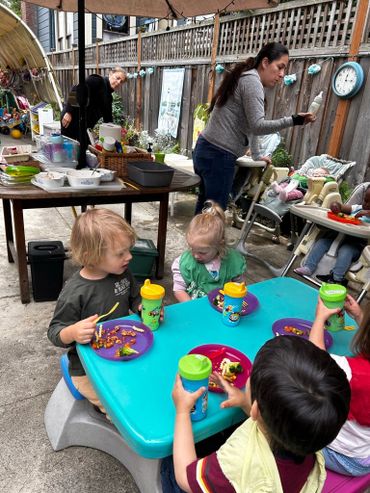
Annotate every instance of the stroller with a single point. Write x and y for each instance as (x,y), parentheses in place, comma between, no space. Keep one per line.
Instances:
(273,210)
(359,271)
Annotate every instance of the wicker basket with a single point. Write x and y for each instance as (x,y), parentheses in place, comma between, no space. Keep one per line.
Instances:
(118,161)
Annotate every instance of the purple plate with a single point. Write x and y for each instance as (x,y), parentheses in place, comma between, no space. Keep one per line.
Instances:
(143,340)
(250,302)
(297,327)
(216,353)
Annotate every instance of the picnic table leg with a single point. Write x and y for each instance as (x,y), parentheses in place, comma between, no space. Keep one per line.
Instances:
(128,212)
(21,252)
(8,229)
(161,238)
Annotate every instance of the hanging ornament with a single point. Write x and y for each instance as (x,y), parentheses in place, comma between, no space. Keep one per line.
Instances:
(142,73)
(129,75)
(290,79)
(150,70)
(314,69)
(219,68)
(135,75)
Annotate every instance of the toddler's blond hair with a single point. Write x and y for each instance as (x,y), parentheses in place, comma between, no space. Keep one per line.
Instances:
(94,231)
(209,227)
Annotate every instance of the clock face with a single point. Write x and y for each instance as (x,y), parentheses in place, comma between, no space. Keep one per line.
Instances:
(348,80)
(345,81)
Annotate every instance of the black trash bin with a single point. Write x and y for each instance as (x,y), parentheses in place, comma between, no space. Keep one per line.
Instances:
(47,261)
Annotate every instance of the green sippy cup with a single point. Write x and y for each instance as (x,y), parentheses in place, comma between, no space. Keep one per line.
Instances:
(334,296)
(152,296)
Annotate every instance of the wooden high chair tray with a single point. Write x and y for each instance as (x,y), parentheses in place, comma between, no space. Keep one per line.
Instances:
(344,219)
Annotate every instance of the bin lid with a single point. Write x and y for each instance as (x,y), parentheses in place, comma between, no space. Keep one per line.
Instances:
(42,249)
(145,247)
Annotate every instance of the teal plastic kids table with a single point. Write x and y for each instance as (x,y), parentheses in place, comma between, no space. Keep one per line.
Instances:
(137,393)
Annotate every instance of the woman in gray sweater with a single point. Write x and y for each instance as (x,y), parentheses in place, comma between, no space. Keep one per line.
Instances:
(237,116)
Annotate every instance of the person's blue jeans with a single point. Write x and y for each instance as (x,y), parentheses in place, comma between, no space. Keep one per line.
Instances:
(215,167)
(342,464)
(348,252)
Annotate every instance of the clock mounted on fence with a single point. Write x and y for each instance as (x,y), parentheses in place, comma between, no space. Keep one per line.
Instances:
(348,80)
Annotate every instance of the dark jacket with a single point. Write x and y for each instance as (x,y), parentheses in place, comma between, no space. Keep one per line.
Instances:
(99,105)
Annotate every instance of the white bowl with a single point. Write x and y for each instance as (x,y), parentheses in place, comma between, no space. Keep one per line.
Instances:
(50,179)
(106,174)
(83,178)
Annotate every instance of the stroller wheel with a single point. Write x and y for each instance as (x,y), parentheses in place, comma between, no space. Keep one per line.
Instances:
(275,239)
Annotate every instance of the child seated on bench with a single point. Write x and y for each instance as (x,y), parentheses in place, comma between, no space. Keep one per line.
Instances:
(349,453)
(349,250)
(101,241)
(297,398)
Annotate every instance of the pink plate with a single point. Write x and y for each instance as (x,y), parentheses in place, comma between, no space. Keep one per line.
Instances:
(216,299)
(143,340)
(216,353)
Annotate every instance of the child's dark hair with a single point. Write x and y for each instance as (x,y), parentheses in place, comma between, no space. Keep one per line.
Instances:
(271,51)
(302,394)
(361,341)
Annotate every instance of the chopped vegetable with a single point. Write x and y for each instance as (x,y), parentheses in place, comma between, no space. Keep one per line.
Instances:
(126,350)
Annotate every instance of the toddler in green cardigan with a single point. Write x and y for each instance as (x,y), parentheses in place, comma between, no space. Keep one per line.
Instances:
(208,263)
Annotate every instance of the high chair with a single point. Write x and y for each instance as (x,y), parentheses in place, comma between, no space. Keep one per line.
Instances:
(359,271)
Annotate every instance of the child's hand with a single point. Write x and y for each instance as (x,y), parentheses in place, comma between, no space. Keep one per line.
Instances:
(184,401)
(235,396)
(335,207)
(323,313)
(83,331)
(362,213)
(353,309)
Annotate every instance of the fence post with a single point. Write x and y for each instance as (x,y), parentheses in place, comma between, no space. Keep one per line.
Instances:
(216,32)
(97,54)
(139,87)
(344,104)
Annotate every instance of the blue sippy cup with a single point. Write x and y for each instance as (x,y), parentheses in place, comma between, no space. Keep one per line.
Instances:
(195,370)
(234,293)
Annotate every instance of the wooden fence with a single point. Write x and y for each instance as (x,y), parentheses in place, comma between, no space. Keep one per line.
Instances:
(315,31)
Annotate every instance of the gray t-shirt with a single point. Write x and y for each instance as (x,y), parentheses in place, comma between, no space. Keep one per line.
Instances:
(81,298)
(235,125)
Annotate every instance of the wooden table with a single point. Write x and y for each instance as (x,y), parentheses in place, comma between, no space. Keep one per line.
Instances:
(16,200)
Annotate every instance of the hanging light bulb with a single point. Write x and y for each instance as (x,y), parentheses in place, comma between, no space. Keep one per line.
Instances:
(219,68)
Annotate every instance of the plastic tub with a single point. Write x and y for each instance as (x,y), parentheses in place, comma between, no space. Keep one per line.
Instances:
(149,174)
(83,178)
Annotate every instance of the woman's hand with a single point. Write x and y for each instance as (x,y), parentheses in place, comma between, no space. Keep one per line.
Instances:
(353,309)
(184,400)
(267,159)
(308,117)
(66,120)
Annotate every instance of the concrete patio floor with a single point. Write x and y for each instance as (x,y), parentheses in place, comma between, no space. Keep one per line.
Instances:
(30,364)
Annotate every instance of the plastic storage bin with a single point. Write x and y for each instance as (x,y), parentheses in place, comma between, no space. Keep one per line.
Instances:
(47,262)
(144,254)
(149,174)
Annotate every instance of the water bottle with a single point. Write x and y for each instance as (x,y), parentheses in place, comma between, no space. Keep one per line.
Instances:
(316,103)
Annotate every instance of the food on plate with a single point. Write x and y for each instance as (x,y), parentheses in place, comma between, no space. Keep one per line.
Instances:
(116,336)
(126,350)
(230,369)
(293,330)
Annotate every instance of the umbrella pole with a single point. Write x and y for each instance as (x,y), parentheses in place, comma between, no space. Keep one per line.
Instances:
(82,95)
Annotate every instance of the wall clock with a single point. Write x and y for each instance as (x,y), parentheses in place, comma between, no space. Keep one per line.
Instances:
(348,80)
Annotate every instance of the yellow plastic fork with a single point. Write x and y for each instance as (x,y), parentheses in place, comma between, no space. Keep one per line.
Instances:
(114,307)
